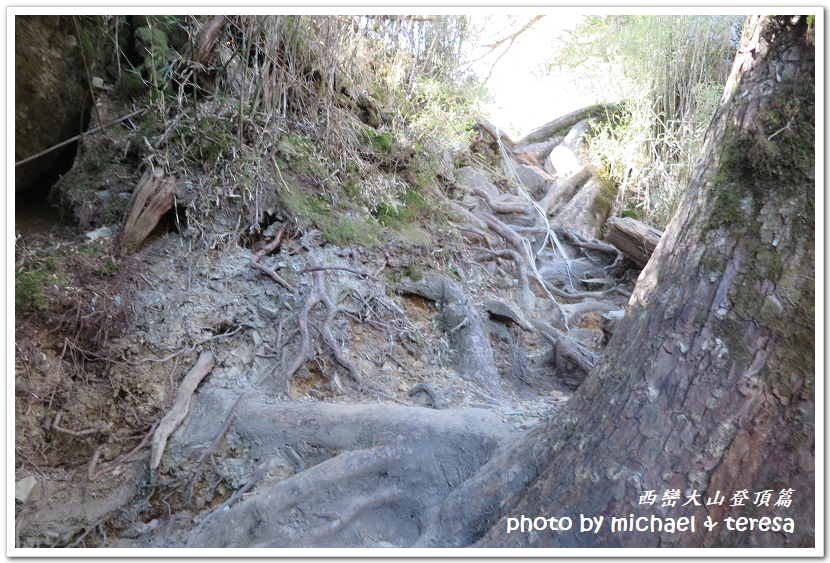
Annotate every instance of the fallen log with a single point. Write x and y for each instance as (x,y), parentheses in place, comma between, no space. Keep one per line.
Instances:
(634,238)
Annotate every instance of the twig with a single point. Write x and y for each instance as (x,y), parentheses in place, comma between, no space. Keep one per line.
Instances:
(459,325)
(390,398)
(76,433)
(308,269)
(330,176)
(168,424)
(94,475)
(197,344)
(785,128)
(173,124)
(280,173)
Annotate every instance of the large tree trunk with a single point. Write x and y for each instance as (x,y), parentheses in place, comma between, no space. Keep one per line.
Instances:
(708,384)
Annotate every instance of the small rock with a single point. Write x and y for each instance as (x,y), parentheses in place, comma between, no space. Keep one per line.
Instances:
(23,488)
(257,339)
(269,312)
(103,195)
(97,82)
(100,233)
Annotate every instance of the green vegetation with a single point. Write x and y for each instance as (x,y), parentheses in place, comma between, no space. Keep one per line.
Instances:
(51,266)
(669,72)
(27,290)
(326,121)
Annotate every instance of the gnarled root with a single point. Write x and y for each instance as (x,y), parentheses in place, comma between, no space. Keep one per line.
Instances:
(462,322)
(389,470)
(318,295)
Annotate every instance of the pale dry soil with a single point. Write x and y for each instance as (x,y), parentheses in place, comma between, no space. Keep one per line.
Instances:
(316,460)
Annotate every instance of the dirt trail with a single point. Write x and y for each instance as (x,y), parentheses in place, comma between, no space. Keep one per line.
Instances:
(371,390)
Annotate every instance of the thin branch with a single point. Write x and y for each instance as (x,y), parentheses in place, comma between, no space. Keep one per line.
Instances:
(76,137)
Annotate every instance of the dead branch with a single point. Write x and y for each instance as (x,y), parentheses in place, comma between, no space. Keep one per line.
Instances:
(512,37)
(268,248)
(168,424)
(143,216)
(76,137)
(207,37)
(634,238)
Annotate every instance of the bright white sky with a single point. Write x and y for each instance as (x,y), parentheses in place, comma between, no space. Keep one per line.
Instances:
(523,98)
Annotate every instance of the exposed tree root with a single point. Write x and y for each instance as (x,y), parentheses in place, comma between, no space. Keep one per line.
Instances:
(526,297)
(93,475)
(474,355)
(210,449)
(561,189)
(391,469)
(319,294)
(578,310)
(537,153)
(572,361)
(268,248)
(438,401)
(505,232)
(344,268)
(172,419)
(504,204)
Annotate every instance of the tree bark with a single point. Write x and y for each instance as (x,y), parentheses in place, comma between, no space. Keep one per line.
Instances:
(708,384)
